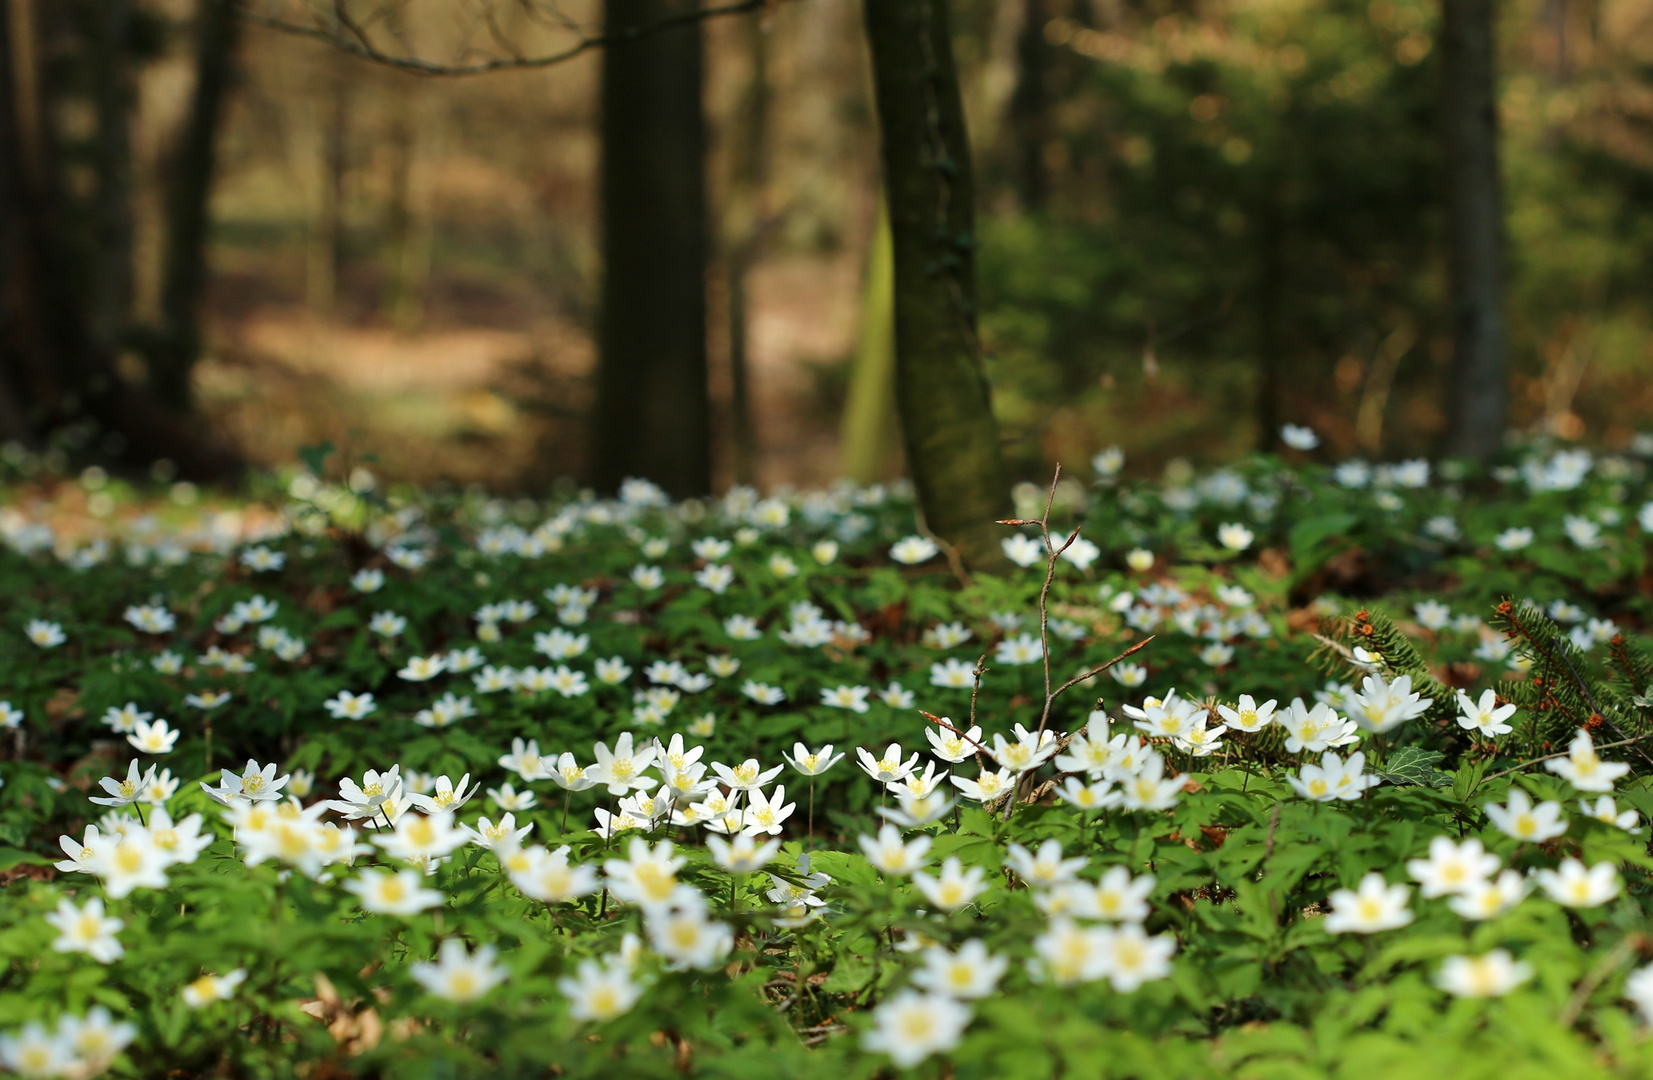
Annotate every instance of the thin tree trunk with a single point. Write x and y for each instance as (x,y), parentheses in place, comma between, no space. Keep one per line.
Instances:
(653,413)
(326,242)
(110,31)
(1273,379)
(749,195)
(189,207)
(1478,395)
(1030,106)
(941,388)
(53,368)
(869,409)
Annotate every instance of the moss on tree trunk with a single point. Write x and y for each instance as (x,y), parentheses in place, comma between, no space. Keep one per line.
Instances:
(947,420)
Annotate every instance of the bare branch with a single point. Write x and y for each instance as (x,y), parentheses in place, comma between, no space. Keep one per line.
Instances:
(350,36)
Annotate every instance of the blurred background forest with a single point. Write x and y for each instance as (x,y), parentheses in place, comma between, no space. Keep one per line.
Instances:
(1197,220)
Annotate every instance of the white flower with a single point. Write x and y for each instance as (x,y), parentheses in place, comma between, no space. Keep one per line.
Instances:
(890,767)
(1150,788)
(1333,778)
(1606,810)
(1520,819)
(423,668)
(1375,907)
(911,1026)
(257,783)
(1248,716)
(1486,715)
(948,635)
(96,1039)
(1088,797)
(348,706)
(123,720)
(1571,885)
(1453,868)
(1234,536)
(86,930)
(1129,674)
(716,577)
(955,887)
(1513,539)
(154,738)
(1022,549)
(1047,868)
(548,876)
(1216,654)
(743,855)
(890,855)
(210,988)
(459,975)
(1490,899)
(1121,898)
(912,550)
(824,552)
(1314,730)
(502,836)
(971,972)
(622,770)
(950,746)
(367,581)
(397,893)
(763,693)
(1381,706)
(1130,957)
(1021,649)
(1081,553)
(683,933)
(420,837)
(647,876)
(1299,438)
(1069,953)
(1638,988)
(127,791)
(1492,975)
(1582,531)
(1108,463)
(1583,768)
(953,674)
(764,815)
(47,635)
(853,698)
(600,991)
(986,787)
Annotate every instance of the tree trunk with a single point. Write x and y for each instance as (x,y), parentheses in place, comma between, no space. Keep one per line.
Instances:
(189,206)
(751,214)
(653,413)
(54,370)
(941,388)
(110,32)
(1030,106)
(1478,395)
(869,409)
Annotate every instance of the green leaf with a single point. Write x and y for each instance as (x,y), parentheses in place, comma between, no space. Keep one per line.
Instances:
(1415,766)
(10,857)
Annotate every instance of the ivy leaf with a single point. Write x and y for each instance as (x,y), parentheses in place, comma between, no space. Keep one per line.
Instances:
(1413,765)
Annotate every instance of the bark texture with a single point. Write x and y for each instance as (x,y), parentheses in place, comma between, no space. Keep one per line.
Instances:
(947,419)
(56,372)
(1479,392)
(653,414)
(189,200)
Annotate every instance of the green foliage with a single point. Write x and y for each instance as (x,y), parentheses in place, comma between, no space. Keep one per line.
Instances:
(1247,874)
